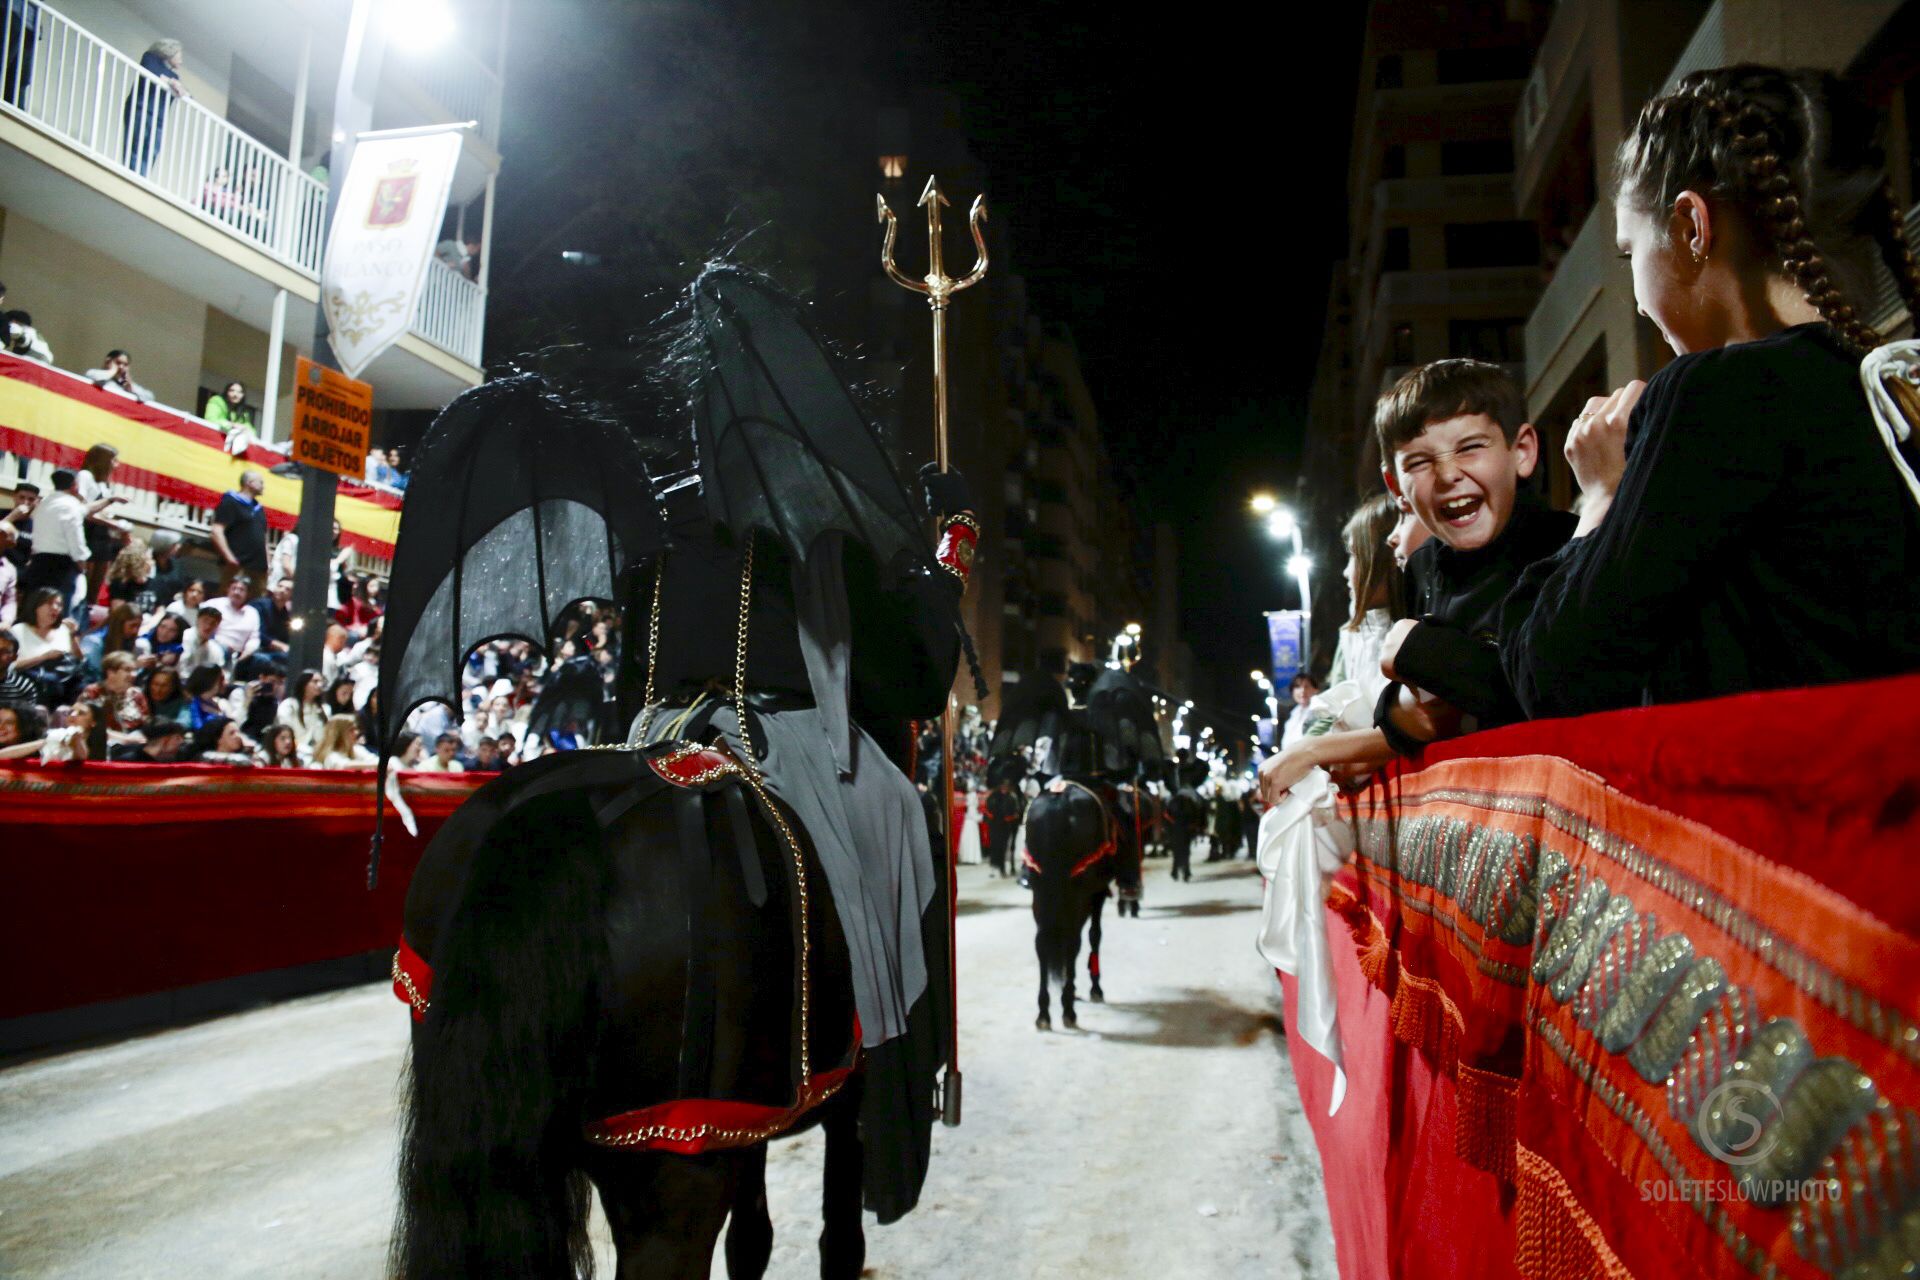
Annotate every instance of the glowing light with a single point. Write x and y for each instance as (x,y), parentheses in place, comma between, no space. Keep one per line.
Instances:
(418,25)
(1133,628)
(1263,504)
(1282,525)
(1299,566)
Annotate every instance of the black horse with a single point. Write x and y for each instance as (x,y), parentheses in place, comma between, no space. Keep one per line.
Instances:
(1070,844)
(627,974)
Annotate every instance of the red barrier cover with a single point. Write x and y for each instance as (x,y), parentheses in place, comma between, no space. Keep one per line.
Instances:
(1632,995)
(124,879)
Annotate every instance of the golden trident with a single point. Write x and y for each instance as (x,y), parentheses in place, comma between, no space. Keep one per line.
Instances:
(939,288)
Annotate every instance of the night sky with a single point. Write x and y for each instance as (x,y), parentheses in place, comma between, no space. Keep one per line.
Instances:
(1175,194)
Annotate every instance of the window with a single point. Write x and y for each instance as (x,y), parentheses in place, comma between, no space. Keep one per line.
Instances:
(1396,250)
(1486,155)
(1492,244)
(1393,162)
(1470,66)
(1388,73)
(1496,341)
(1402,346)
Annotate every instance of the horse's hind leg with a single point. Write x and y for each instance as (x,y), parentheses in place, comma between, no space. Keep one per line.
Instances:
(1094,993)
(843,1240)
(665,1210)
(1045,1021)
(750,1226)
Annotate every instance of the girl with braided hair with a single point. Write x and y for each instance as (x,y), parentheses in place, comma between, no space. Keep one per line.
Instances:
(1744,526)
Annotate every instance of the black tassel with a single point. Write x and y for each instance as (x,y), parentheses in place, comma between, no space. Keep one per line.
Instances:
(973,664)
(379,824)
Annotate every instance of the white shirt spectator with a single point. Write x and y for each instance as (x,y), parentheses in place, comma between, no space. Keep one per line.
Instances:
(432,765)
(358,758)
(1294,728)
(196,653)
(307,724)
(60,526)
(239,632)
(104,379)
(60,640)
(9,592)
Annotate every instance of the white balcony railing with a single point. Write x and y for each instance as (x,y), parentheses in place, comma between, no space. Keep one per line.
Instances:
(464,86)
(452,312)
(95,98)
(76,87)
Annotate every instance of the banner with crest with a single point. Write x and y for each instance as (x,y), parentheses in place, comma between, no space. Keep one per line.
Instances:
(391,206)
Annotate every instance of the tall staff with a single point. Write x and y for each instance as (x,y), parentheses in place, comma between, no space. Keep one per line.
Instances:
(938,288)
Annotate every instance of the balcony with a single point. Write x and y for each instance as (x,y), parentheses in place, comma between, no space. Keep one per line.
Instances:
(1589,269)
(1492,290)
(1550,102)
(1405,202)
(199,205)
(1426,113)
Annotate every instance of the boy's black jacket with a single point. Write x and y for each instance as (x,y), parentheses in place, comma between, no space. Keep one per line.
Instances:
(1457,596)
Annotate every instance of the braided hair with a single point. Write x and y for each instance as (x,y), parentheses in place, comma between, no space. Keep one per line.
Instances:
(1802,159)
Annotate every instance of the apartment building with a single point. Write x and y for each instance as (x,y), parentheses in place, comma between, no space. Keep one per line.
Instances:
(188,229)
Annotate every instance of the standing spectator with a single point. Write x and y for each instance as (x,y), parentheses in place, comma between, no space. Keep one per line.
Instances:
(445,748)
(239,630)
(165,699)
(278,749)
(14,687)
(359,610)
(19,518)
(164,742)
(105,535)
(304,711)
(116,375)
(167,578)
(255,704)
(145,114)
(201,649)
(340,746)
(229,412)
(239,531)
(286,557)
(471,267)
(1302,689)
(60,540)
(123,708)
(19,34)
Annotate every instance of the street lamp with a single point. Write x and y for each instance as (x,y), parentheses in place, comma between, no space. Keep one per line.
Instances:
(417,26)
(1262,503)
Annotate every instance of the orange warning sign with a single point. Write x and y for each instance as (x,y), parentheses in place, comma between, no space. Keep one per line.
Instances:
(332,419)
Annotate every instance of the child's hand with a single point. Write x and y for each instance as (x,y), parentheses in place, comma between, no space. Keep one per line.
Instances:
(1597,442)
(1390,650)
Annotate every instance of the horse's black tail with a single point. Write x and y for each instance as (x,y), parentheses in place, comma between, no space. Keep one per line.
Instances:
(1051,840)
(490,1135)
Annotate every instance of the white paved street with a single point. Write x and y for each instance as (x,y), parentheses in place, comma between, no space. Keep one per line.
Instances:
(1163,1140)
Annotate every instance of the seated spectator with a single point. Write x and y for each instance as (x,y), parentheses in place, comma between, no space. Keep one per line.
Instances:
(340,699)
(304,711)
(337,655)
(229,412)
(206,691)
(1762,534)
(118,634)
(14,687)
(23,340)
(163,742)
(22,731)
(193,594)
(162,646)
(123,708)
(255,703)
(201,650)
(130,578)
(9,576)
(408,750)
(275,610)
(239,630)
(166,700)
(369,719)
(340,746)
(445,748)
(360,609)
(396,471)
(164,584)
(72,742)
(48,648)
(219,741)
(486,757)
(116,375)
(278,749)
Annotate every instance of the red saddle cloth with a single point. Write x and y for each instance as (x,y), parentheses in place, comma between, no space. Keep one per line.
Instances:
(1633,995)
